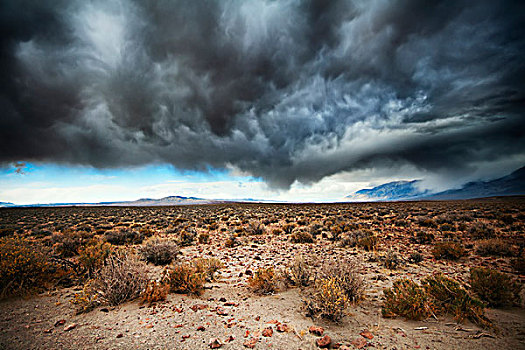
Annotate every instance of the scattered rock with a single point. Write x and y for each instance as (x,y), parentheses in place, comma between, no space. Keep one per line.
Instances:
(366,333)
(267,332)
(359,343)
(201,328)
(70,327)
(222,312)
(324,342)
(59,323)
(215,343)
(250,343)
(282,328)
(316,330)
(120,335)
(105,309)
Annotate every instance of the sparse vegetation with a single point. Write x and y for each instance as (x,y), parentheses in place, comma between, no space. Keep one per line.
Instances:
(407,299)
(448,250)
(494,287)
(184,278)
(159,251)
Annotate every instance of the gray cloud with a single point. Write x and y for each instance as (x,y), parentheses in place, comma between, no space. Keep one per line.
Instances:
(284,90)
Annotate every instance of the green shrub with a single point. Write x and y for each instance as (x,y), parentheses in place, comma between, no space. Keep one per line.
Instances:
(329,300)
(264,281)
(184,278)
(494,287)
(93,256)
(450,298)
(406,298)
(24,266)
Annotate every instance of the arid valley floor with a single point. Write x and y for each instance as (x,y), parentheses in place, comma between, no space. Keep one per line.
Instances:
(265,276)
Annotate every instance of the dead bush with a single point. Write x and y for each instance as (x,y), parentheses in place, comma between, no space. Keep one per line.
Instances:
(299,272)
(255,228)
(93,256)
(159,251)
(122,278)
(187,237)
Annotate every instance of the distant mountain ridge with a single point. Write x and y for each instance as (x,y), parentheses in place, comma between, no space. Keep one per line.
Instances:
(395,190)
(510,185)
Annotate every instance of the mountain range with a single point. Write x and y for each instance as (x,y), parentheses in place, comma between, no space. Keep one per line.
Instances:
(510,185)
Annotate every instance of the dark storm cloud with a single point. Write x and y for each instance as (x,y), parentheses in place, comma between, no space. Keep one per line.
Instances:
(283,90)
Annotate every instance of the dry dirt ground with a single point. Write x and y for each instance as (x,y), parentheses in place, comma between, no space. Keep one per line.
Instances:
(232,314)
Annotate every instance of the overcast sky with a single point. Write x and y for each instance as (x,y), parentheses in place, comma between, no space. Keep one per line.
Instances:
(295,100)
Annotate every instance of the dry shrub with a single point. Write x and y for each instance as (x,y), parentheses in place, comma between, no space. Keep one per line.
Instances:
(231,241)
(265,281)
(406,298)
(450,298)
(436,295)
(66,244)
(123,235)
(155,291)
(415,257)
(368,243)
(494,287)
(481,230)
(288,228)
(299,273)
(187,237)
(494,247)
(329,300)
(159,251)
(24,266)
(93,256)
(204,238)
(87,300)
(391,260)
(423,238)
(300,235)
(347,277)
(184,278)
(122,278)
(208,267)
(518,263)
(448,250)
(255,228)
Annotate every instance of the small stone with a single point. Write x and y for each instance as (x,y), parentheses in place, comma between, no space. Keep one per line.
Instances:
(59,323)
(366,333)
(105,309)
(324,342)
(120,335)
(282,328)
(222,312)
(267,332)
(359,343)
(215,343)
(316,330)
(70,327)
(250,343)
(201,328)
